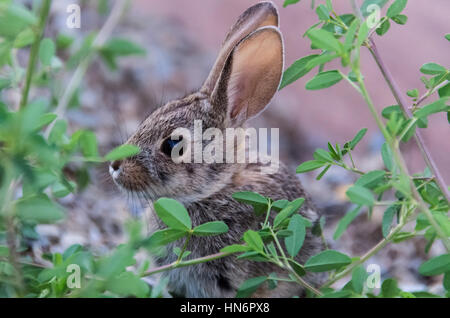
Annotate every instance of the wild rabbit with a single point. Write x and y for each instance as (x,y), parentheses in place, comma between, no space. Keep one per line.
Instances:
(242,82)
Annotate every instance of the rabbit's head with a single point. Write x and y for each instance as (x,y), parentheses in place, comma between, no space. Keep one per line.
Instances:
(242,82)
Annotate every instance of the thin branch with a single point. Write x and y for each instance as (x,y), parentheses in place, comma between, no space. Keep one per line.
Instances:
(365,257)
(45,9)
(177,264)
(430,92)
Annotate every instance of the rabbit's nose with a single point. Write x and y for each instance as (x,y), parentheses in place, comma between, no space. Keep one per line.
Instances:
(115,165)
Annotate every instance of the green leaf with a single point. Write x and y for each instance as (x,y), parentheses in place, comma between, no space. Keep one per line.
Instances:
(444,91)
(396,8)
(436,266)
(383,28)
(432,69)
(326,261)
(289,2)
(402,236)
(297,70)
(256,200)
(299,269)
(320,60)
(435,107)
(45,119)
(389,288)
(113,265)
(360,135)
(253,240)
(322,155)
(345,222)
(121,152)
(400,19)
(234,248)
(324,80)
(322,12)
(249,286)
(371,179)
(447,36)
(446,281)
(363,32)
(359,276)
(122,47)
(210,228)
(64,41)
(310,166)
(88,144)
(14,18)
(290,209)
(46,51)
(388,217)
(386,154)
(322,173)
(325,40)
(173,214)
(5,52)
(279,205)
(360,195)
(350,35)
(295,241)
(127,284)
(413,93)
(163,237)
(39,209)
(24,38)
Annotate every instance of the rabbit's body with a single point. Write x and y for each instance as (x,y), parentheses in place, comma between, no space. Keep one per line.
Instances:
(242,82)
(222,277)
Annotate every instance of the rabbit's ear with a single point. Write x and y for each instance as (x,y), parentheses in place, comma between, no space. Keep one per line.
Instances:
(260,15)
(250,77)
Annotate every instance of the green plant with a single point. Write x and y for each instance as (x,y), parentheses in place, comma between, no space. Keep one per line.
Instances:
(35,147)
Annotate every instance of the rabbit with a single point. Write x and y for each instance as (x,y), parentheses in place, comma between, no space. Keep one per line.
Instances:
(243,80)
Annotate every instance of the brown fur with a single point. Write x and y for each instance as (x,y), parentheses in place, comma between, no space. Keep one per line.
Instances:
(206,189)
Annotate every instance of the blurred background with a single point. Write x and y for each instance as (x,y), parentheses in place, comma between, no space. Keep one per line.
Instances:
(182,39)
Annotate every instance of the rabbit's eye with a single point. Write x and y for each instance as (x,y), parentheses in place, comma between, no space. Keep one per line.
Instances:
(168,145)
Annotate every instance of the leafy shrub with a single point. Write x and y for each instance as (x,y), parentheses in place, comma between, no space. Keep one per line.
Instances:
(35,148)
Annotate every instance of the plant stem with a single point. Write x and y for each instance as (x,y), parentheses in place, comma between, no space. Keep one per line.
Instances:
(45,9)
(269,207)
(430,92)
(403,105)
(365,257)
(177,264)
(180,257)
(299,280)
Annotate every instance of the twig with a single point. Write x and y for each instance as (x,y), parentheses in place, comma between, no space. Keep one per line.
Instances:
(365,257)
(178,264)
(45,9)
(431,91)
